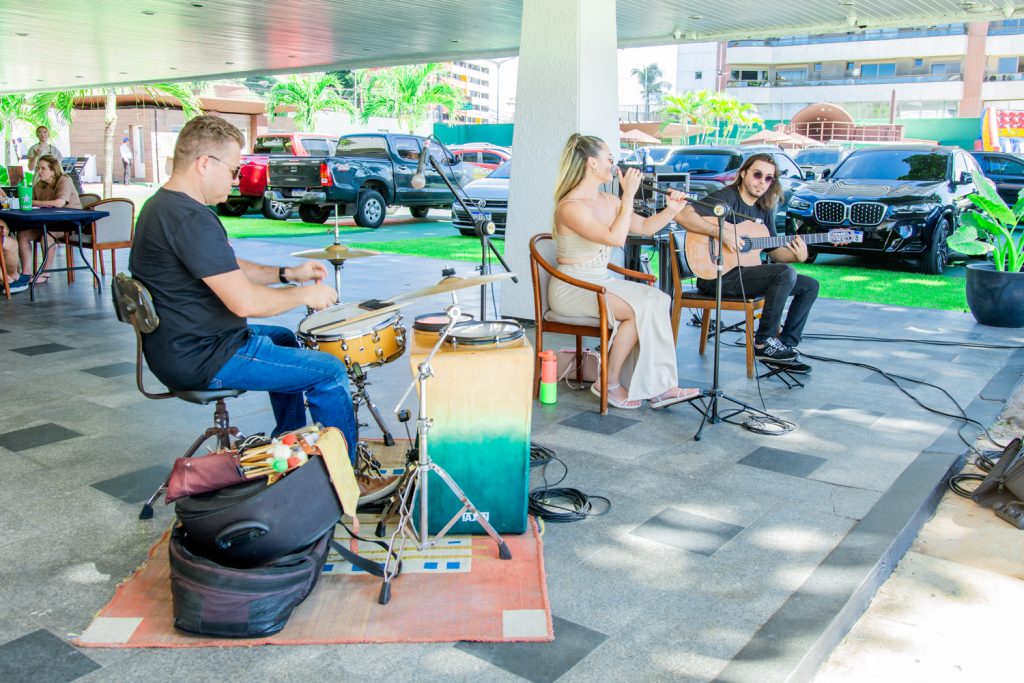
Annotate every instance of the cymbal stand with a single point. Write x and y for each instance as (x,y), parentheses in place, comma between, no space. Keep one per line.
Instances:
(361,396)
(418,481)
(337,263)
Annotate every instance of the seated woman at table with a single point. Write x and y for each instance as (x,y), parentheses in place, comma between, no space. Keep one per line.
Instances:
(10,253)
(587,224)
(52,188)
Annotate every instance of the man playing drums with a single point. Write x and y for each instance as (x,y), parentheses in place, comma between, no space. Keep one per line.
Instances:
(204,294)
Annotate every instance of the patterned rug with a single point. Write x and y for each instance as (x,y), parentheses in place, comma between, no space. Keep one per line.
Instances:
(458,590)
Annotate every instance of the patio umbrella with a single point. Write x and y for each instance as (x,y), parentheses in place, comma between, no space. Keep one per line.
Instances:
(804,141)
(637,136)
(768,137)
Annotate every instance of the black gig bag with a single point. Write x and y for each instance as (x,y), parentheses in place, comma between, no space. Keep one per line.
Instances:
(251,524)
(213,600)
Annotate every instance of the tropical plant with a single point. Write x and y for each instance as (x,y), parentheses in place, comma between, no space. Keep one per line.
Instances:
(310,94)
(14,108)
(408,93)
(684,109)
(994,228)
(62,103)
(710,110)
(649,77)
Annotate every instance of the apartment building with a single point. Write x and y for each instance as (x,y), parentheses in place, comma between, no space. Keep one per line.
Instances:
(477,80)
(939,71)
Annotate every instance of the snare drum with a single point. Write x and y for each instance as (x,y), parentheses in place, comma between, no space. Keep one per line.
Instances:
(481,334)
(371,342)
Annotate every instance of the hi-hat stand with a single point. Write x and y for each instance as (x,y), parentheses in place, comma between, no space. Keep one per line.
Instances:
(484,228)
(713,395)
(416,484)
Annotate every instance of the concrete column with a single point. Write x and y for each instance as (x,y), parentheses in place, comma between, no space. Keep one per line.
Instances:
(974,68)
(567,83)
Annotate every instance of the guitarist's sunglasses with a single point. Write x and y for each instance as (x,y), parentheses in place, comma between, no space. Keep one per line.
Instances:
(758,175)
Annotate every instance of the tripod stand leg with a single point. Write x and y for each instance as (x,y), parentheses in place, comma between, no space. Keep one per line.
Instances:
(467,505)
(361,395)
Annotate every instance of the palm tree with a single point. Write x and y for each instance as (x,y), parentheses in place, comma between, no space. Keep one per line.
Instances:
(310,94)
(649,78)
(408,93)
(14,108)
(683,109)
(62,102)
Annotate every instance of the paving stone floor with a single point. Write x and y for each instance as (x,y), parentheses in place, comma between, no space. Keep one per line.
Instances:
(728,558)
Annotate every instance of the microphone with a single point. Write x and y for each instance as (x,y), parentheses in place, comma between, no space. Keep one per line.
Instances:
(418,180)
(717,208)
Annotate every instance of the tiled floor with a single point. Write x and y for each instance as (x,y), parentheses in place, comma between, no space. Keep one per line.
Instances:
(711,561)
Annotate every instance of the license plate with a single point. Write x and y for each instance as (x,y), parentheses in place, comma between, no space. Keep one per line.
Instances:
(298,193)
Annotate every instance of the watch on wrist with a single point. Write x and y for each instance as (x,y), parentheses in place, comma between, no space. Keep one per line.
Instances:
(281,277)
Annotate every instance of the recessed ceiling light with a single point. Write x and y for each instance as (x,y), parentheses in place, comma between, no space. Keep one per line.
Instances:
(197,4)
(21,34)
(79,76)
(454,40)
(696,17)
(123,73)
(292,57)
(229,62)
(174,68)
(148,12)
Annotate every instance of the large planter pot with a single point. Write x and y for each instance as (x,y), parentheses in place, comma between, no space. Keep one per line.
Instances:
(995,297)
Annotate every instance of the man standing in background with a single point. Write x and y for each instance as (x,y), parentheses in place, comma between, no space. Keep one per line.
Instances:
(126,159)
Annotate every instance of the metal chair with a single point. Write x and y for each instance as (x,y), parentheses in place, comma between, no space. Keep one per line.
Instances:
(691,297)
(134,306)
(542,269)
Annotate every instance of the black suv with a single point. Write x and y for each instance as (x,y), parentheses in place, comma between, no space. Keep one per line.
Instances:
(906,200)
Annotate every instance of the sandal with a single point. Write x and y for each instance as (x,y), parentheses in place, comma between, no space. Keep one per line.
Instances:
(622,405)
(687,395)
(42,279)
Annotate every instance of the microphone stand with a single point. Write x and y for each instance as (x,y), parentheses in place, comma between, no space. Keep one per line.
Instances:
(484,228)
(712,396)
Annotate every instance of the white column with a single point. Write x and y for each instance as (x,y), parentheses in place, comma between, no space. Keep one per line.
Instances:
(567,83)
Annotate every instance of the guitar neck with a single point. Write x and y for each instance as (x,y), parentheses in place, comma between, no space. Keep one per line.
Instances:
(783,240)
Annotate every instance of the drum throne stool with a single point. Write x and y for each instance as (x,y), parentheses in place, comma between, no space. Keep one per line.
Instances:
(134,306)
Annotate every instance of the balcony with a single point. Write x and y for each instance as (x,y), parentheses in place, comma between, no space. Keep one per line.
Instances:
(828,131)
(926,78)
(857,37)
(1004,77)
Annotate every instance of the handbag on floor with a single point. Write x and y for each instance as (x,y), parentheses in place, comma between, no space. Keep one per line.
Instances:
(213,600)
(567,365)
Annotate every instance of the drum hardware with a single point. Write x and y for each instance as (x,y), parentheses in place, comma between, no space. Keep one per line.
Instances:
(361,396)
(336,253)
(418,481)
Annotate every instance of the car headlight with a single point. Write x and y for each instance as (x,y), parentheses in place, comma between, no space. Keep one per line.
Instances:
(914,209)
(799,204)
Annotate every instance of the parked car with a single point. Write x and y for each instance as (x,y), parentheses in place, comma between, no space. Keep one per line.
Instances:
(482,156)
(905,199)
(490,196)
(368,172)
(1005,170)
(814,161)
(252,174)
(712,167)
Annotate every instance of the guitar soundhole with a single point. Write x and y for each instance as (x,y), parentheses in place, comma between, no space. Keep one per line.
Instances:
(745,245)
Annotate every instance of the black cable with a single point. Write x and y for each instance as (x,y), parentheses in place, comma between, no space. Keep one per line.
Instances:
(931,342)
(559,504)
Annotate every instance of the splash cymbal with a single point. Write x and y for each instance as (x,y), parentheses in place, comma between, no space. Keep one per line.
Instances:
(335,252)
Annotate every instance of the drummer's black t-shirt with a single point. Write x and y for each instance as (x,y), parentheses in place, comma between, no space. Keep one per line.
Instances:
(179,241)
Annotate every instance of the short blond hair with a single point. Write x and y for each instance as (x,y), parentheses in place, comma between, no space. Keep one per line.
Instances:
(201,136)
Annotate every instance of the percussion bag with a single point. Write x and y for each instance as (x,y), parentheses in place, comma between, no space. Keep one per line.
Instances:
(252,523)
(214,600)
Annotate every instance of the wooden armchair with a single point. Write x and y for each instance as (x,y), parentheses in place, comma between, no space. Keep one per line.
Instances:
(111,232)
(543,267)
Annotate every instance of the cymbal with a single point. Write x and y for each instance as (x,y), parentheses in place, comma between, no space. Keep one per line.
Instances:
(335,252)
(445,286)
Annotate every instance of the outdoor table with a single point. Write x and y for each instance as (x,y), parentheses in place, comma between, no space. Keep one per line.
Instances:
(42,217)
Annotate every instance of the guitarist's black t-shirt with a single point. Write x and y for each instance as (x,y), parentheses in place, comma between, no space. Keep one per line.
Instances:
(731,196)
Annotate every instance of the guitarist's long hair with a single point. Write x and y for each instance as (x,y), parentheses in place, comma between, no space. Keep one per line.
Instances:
(573,164)
(773,194)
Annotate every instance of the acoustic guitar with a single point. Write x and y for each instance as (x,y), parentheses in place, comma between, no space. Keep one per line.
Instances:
(702,251)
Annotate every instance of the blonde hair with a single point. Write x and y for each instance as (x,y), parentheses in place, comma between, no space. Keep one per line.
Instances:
(573,163)
(202,135)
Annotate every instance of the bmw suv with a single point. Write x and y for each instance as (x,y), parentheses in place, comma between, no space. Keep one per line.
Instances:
(906,200)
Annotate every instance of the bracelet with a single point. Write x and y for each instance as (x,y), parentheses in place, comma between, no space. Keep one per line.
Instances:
(624,209)
(281,277)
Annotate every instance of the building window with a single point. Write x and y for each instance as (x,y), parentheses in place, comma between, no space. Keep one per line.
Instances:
(1007,65)
(918,62)
(698,75)
(883,70)
(849,66)
(791,75)
(817,67)
(937,69)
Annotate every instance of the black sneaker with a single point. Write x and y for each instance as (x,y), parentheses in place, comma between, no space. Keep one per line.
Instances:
(774,351)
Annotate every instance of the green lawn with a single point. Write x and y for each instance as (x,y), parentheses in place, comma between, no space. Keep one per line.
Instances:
(837,282)
(261,227)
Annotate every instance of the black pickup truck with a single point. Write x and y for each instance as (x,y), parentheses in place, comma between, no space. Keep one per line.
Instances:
(368,172)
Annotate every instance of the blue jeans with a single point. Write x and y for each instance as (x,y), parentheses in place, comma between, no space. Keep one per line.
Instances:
(272,361)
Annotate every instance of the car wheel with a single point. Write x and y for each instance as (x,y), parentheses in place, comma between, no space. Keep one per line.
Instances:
(419,211)
(233,209)
(935,259)
(311,213)
(275,210)
(371,209)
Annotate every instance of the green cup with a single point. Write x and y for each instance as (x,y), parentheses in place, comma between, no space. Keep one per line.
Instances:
(25,197)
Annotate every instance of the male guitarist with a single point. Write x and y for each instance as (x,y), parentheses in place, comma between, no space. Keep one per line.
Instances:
(754,195)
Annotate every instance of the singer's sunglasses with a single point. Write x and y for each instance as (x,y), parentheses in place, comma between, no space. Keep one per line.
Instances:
(234,171)
(758,175)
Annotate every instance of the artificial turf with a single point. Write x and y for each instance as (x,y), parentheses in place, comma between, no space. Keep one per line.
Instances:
(260,227)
